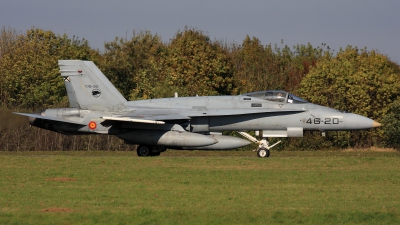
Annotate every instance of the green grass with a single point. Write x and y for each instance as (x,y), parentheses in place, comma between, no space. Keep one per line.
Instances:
(322,187)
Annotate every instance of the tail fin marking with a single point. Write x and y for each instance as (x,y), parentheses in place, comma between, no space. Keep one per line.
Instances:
(88,88)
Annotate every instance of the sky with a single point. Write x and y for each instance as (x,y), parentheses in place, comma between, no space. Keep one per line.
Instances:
(339,23)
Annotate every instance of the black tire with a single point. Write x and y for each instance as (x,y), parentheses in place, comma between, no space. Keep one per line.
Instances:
(263,152)
(144,151)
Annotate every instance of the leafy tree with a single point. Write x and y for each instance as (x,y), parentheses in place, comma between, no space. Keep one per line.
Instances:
(135,66)
(356,81)
(299,62)
(391,125)
(8,37)
(29,72)
(197,66)
(258,67)
(253,66)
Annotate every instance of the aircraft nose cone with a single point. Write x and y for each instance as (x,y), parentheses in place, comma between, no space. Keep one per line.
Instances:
(376,124)
(358,122)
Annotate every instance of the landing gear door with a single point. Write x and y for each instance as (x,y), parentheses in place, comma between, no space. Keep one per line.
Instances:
(289,132)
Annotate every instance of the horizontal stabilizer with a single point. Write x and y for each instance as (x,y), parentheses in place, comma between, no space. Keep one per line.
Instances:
(50,118)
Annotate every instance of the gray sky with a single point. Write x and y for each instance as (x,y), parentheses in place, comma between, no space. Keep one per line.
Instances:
(362,23)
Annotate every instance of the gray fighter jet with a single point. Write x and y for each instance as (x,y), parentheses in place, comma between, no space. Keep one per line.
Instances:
(96,107)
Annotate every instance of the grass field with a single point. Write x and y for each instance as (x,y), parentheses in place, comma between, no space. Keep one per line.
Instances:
(198,187)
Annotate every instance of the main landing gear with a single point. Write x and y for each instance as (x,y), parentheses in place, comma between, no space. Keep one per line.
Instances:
(147,150)
(263,144)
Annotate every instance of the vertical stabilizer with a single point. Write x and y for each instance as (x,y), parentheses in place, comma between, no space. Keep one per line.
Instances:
(88,88)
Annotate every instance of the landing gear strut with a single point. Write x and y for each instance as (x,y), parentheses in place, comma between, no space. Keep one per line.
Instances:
(263,144)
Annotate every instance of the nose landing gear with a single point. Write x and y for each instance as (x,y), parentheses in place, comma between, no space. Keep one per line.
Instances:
(263,144)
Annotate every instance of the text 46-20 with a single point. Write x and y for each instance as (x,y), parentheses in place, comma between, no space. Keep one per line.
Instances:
(323,121)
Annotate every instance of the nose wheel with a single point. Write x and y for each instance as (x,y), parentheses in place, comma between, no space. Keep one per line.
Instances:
(263,144)
(263,152)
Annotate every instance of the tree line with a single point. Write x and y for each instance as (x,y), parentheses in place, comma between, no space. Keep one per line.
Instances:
(143,67)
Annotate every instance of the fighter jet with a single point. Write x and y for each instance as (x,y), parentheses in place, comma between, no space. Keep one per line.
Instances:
(96,107)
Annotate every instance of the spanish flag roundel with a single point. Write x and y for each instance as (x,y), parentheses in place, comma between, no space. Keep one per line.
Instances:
(92,125)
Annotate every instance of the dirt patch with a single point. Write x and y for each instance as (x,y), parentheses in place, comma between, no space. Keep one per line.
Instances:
(56,210)
(62,179)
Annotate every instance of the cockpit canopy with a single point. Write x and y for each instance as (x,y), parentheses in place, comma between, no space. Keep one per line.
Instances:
(277,96)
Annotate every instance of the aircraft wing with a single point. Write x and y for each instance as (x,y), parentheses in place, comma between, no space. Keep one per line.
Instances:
(59,119)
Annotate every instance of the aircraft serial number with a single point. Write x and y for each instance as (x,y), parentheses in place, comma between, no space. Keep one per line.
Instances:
(323,121)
